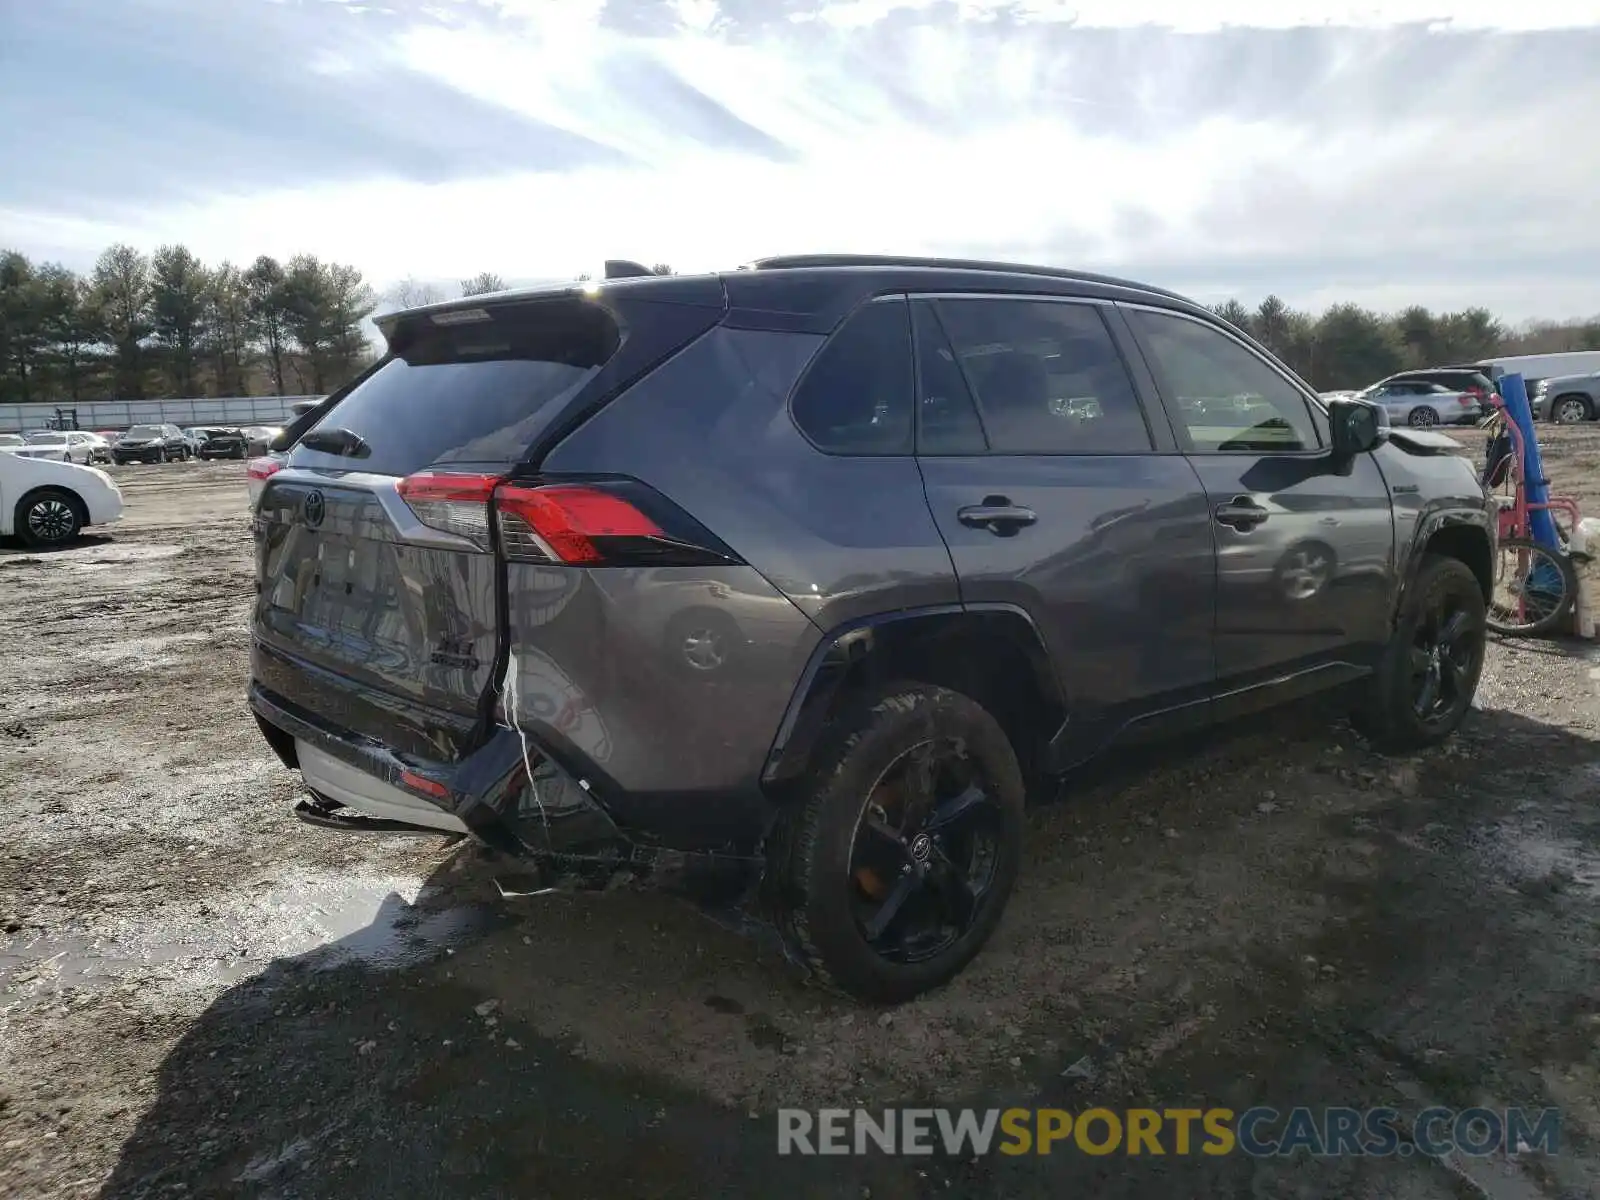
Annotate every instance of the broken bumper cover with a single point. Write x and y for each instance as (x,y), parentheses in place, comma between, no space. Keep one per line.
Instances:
(508,794)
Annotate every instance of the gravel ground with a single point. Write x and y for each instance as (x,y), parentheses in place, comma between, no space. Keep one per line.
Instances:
(201,996)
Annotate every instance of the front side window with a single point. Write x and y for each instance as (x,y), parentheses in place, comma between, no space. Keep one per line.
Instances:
(1228,398)
(1047,377)
(856,398)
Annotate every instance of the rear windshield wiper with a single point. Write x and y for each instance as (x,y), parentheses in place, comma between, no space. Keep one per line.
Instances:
(344,442)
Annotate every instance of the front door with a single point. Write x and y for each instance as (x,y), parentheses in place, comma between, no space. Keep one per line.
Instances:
(1042,471)
(1305,547)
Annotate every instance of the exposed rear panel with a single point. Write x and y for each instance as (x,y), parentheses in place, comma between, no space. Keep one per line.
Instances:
(665,680)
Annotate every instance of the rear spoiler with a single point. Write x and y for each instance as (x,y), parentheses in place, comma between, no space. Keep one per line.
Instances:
(626,268)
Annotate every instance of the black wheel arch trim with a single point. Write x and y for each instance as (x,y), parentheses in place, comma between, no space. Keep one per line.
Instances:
(849,644)
(1458,531)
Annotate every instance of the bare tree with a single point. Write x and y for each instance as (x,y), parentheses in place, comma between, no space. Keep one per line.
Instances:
(410,293)
(228,328)
(482,283)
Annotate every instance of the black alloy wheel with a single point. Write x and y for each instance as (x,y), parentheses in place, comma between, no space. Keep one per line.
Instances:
(891,864)
(1442,660)
(925,853)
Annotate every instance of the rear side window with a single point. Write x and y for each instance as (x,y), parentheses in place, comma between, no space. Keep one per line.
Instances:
(1048,377)
(468,395)
(856,397)
(949,420)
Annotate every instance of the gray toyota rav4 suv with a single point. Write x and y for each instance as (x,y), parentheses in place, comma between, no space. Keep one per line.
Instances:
(819,567)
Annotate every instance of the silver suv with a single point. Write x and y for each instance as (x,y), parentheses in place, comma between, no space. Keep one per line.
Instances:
(814,571)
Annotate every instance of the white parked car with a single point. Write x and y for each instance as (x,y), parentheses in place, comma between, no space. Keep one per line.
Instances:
(46,502)
(63,446)
(10,441)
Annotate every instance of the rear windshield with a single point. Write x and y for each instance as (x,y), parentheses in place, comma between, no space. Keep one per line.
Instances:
(471,395)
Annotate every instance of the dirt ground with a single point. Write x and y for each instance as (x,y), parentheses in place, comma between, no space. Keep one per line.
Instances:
(201,996)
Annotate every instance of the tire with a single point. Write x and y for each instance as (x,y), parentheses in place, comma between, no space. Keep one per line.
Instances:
(1570,410)
(1551,619)
(819,855)
(1422,417)
(49,517)
(1391,716)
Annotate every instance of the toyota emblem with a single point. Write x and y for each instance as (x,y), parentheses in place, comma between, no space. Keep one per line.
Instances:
(315,509)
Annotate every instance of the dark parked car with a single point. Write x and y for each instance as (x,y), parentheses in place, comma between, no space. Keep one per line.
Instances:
(822,567)
(223,443)
(150,444)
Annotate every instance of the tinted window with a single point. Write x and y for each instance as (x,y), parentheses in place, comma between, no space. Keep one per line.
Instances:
(949,420)
(856,397)
(470,395)
(1228,398)
(1047,377)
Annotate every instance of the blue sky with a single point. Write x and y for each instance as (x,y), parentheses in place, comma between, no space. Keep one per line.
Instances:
(1441,152)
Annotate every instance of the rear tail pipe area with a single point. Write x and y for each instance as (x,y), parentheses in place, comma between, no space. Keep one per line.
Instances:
(330,814)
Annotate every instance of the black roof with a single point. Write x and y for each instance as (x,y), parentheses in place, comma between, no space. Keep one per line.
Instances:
(811,293)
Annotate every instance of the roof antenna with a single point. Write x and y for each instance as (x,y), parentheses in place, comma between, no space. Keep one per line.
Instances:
(625,268)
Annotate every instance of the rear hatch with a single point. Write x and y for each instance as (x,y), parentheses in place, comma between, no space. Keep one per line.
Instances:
(381,592)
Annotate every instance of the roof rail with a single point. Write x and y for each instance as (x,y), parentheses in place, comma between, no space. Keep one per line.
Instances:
(801,261)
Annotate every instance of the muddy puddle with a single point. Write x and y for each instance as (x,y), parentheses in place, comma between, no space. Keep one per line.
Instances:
(319,923)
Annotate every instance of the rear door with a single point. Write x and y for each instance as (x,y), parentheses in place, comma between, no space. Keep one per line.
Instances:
(1058,495)
(375,563)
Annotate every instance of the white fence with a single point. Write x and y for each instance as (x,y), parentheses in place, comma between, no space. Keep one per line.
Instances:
(120,414)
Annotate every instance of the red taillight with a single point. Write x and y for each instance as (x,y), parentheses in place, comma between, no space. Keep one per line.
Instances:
(1467,399)
(451,503)
(563,521)
(263,468)
(614,522)
(429,787)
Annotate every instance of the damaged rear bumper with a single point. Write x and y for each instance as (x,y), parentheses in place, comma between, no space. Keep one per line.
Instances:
(508,794)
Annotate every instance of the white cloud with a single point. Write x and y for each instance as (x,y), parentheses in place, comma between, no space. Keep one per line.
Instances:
(1369,171)
(1193,16)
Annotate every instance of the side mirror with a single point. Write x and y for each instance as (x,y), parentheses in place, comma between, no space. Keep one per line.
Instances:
(1357,427)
